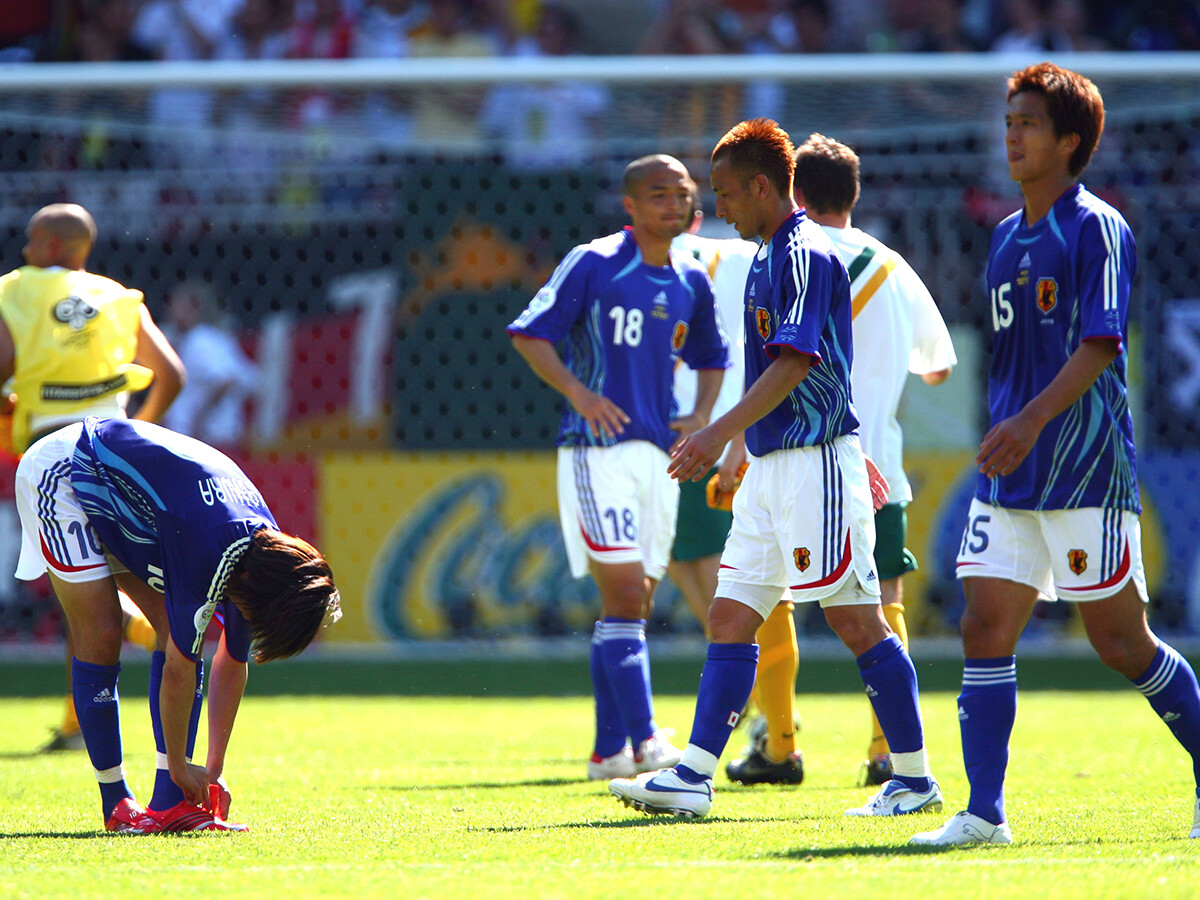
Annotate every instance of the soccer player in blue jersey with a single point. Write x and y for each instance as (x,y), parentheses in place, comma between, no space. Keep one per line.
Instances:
(625,309)
(111,504)
(1056,507)
(803,518)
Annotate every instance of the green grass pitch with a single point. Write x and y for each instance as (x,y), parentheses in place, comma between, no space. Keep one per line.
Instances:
(418,797)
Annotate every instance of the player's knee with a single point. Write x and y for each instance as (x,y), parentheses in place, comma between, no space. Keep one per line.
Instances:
(859,627)
(731,622)
(626,601)
(100,641)
(1123,653)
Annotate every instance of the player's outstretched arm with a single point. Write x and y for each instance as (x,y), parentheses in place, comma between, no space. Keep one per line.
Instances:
(175,708)
(697,453)
(1007,444)
(602,415)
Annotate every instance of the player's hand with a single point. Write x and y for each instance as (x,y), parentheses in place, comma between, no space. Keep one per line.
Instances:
(732,468)
(695,454)
(686,425)
(1007,444)
(879,484)
(193,781)
(219,798)
(602,415)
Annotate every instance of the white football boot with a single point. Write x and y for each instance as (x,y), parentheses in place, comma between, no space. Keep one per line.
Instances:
(964,830)
(619,765)
(897,799)
(664,793)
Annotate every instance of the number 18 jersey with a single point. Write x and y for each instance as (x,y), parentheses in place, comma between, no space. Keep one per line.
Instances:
(1052,285)
(624,324)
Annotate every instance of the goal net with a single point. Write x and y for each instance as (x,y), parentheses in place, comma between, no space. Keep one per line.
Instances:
(368,228)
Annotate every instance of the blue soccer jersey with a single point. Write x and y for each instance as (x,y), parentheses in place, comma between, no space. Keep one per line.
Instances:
(177,513)
(798,296)
(1064,280)
(623,325)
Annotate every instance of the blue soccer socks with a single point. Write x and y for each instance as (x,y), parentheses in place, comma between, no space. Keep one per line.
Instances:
(725,686)
(627,664)
(987,710)
(610,727)
(890,680)
(94,689)
(1170,686)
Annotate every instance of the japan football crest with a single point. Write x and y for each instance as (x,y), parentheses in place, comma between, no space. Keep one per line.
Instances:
(762,319)
(679,336)
(1077,560)
(802,558)
(1047,294)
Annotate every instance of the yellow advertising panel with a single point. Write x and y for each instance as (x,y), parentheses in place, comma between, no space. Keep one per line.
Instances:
(468,545)
(443,545)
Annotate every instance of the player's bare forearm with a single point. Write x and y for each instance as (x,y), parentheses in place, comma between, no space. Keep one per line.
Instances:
(602,415)
(226,685)
(708,385)
(175,710)
(155,352)
(696,454)
(1007,444)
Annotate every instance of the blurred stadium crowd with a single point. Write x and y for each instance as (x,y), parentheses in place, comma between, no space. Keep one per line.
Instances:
(117,30)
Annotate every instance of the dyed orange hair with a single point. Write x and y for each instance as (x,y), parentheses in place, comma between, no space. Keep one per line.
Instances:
(759,147)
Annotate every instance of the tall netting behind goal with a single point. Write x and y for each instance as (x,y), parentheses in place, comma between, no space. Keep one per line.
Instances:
(368,229)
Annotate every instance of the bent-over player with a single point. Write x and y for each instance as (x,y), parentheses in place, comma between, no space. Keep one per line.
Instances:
(119,504)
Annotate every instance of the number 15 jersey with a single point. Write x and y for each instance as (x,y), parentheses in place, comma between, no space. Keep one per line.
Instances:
(1064,280)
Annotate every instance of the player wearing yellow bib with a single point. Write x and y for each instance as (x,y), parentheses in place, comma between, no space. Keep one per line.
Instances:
(74,344)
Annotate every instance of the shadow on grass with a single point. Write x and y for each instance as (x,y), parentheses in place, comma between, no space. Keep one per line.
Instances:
(21,754)
(643,822)
(58,835)
(803,853)
(486,785)
(107,835)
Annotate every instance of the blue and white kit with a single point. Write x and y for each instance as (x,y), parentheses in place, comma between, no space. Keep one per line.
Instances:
(624,325)
(1062,281)
(172,510)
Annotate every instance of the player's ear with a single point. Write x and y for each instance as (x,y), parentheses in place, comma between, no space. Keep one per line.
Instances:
(1069,143)
(627,202)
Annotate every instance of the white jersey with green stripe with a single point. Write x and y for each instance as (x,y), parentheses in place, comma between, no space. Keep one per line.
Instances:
(728,262)
(897,329)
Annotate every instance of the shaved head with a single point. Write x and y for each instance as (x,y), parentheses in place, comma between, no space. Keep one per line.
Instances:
(60,234)
(640,169)
(69,222)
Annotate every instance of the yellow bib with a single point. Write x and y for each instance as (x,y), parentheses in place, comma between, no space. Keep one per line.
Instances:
(75,336)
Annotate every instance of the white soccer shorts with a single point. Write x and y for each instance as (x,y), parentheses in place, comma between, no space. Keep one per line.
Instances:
(55,533)
(803,520)
(1069,554)
(617,505)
